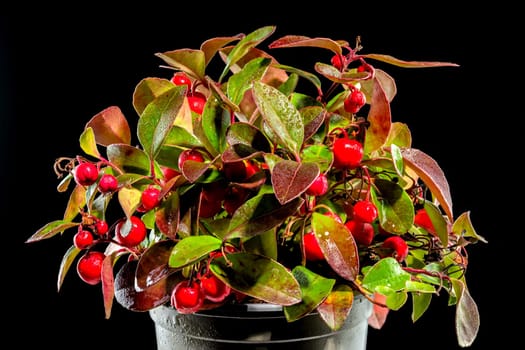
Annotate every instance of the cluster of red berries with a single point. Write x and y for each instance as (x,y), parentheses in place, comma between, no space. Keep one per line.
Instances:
(188,296)
(348,154)
(196,99)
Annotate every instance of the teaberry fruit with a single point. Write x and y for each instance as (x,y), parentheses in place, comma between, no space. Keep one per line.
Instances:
(213,288)
(347,152)
(423,220)
(85,174)
(130,232)
(196,101)
(101,227)
(312,249)
(355,101)
(108,183)
(187,297)
(83,238)
(337,61)
(190,154)
(150,198)
(363,232)
(319,186)
(365,211)
(398,247)
(181,78)
(89,267)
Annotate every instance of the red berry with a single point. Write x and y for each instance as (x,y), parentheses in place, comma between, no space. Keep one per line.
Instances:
(82,239)
(312,249)
(169,173)
(108,183)
(397,246)
(251,169)
(150,198)
(190,154)
(197,101)
(365,211)
(354,101)
(85,174)
(423,220)
(130,232)
(181,78)
(101,227)
(213,288)
(348,153)
(89,267)
(319,186)
(363,232)
(337,61)
(187,297)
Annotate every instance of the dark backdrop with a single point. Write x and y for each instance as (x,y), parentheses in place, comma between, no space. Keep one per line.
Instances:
(60,66)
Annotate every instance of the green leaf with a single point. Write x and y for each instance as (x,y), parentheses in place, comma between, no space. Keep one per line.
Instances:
(301,73)
(180,137)
(420,304)
(394,299)
(88,143)
(211,46)
(290,179)
(397,159)
(110,126)
(336,307)
(245,140)
(264,243)
(280,115)
(321,155)
(463,227)
(337,245)
(128,158)
(147,90)
(386,273)
(190,61)
(65,264)
(158,118)
(77,201)
(192,249)
(399,135)
(51,229)
(315,288)
(419,287)
(259,277)
(439,223)
(259,214)
(241,82)
(245,45)
(467,315)
(215,121)
(395,208)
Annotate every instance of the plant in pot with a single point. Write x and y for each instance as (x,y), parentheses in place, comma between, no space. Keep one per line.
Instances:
(244,189)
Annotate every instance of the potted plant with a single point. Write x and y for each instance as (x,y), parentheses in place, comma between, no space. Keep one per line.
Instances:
(240,187)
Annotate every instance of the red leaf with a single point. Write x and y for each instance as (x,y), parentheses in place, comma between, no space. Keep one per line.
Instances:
(379,313)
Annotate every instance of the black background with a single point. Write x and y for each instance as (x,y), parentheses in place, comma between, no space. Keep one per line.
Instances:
(62,65)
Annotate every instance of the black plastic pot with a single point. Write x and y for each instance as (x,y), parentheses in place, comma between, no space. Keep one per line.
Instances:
(258,326)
